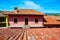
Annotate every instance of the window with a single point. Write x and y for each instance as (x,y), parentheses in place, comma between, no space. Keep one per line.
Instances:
(2,24)
(2,19)
(15,20)
(36,20)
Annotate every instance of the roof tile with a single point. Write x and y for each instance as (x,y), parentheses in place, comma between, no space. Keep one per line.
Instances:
(25,12)
(50,20)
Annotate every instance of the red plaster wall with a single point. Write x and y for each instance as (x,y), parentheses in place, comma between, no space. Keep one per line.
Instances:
(21,20)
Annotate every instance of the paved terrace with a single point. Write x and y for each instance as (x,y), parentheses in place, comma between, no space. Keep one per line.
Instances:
(30,34)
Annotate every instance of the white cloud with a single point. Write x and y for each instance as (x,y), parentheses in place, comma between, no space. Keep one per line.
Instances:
(30,5)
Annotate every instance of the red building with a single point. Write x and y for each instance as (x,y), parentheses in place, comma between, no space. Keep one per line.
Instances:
(22,17)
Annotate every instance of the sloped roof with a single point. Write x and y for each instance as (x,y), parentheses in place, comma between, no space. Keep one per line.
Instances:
(2,15)
(56,17)
(30,34)
(25,12)
(51,20)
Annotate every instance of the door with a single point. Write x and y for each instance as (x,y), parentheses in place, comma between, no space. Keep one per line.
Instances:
(26,21)
(15,20)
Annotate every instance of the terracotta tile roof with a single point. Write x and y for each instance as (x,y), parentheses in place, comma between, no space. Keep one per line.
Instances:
(2,15)
(30,34)
(51,20)
(56,17)
(25,12)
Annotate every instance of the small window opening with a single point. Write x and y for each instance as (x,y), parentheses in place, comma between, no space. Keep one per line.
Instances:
(36,20)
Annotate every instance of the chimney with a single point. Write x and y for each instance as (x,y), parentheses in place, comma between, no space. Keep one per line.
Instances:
(15,9)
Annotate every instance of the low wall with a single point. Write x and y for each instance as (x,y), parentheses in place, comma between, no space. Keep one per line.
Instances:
(52,26)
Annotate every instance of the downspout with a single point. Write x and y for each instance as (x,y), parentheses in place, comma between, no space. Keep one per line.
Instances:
(6,21)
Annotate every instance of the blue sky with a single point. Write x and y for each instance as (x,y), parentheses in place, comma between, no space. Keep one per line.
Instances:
(45,6)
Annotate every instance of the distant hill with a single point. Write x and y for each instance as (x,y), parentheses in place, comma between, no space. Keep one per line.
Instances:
(1,11)
(53,14)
